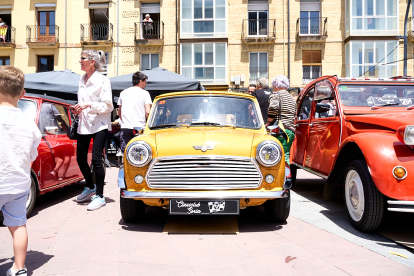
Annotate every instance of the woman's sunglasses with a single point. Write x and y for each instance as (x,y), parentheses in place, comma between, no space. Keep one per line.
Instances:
(83,58)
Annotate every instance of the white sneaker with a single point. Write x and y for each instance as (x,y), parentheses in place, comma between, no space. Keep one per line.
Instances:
(96,203)
(119,153)
(21,272)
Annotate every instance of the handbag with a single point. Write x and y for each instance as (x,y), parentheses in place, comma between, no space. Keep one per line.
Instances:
(73,131)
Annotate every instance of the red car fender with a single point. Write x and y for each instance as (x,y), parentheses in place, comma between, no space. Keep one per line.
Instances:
(382,153)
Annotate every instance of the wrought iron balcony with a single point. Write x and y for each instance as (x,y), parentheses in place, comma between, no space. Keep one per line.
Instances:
(42,35)
(310,73)
(312,28)
(256,73)
(7,37)
(149,32)
(96,33)
(259,30)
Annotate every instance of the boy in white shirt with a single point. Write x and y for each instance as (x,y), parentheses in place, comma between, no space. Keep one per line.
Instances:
(134,107)
(19,138)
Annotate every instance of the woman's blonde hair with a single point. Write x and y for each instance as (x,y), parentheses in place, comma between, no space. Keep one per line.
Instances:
(99,58)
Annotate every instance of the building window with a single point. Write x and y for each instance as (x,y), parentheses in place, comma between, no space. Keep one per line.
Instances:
(258,67)
(151,27)
(204,61)
(371,59)
(45,63)
(258,11)
(203,18)
(310,19)
(311,66)
(369,17)
(46,26)
(99,18)
(4,61)
(149,61)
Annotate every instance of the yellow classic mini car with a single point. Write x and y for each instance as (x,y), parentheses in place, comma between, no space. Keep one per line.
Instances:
(204,153)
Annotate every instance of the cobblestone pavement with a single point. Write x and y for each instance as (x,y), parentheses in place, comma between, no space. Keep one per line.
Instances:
(66,239)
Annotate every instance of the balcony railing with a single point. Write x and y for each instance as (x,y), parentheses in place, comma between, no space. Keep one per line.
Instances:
(312,26)
(256,73)
(265,28)
(149,30)
(310,73)
(96,32)
(42,33)
(8,35)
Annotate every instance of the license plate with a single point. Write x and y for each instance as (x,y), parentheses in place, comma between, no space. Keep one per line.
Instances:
(204,206)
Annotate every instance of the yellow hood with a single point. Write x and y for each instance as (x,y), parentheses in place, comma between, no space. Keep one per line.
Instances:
(233,142)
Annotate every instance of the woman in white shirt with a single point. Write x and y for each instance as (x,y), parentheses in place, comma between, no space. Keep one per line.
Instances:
(94,108)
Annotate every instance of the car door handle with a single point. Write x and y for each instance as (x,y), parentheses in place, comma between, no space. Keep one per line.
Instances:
(311,124)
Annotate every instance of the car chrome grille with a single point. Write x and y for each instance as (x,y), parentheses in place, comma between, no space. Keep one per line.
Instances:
(204,173)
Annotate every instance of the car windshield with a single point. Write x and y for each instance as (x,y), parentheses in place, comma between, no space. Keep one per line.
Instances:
(376,95)
(28,107)
(205,111)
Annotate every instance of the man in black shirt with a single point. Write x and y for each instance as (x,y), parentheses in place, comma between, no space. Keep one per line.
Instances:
(262,95)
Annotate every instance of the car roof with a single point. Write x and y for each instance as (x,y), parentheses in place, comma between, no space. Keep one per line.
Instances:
(50,98)
(205,93)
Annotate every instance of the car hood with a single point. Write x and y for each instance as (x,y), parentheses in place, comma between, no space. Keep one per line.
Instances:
(232,142)
(388,120)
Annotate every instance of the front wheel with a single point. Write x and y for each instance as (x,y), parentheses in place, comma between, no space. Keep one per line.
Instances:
(277,210)
(132,210)
(365,204)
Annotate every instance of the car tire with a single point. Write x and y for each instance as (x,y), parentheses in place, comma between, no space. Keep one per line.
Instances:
(31,200)
(132,210)
(293,173)
(277,210)
(364,203)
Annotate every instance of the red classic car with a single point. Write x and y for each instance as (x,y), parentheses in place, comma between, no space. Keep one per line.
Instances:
(359,134)
(55,165)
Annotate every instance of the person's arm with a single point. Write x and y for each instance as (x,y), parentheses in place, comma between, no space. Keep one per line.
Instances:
(147,110)
(120,112)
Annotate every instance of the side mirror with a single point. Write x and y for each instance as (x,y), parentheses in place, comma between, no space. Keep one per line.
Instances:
(53,130)
(322,107)
(138,131)
(323,90)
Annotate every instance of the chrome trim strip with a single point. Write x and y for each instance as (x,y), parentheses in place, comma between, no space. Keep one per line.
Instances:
(400,202)
(316,122)
(63,183)
(401,210)
(208,157)
(206,194)
(311,171)
(121,179)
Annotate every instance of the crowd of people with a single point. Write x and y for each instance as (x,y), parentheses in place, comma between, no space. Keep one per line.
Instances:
(21,137)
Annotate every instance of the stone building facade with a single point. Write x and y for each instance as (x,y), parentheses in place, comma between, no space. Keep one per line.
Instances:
(224,43)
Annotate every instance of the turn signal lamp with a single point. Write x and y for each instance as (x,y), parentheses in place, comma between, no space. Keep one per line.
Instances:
(138,179)
(406,134)
(269,178)
(399,172)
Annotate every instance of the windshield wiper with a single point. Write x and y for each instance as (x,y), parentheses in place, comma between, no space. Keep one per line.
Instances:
(169,125)
(382,105)
(211,124)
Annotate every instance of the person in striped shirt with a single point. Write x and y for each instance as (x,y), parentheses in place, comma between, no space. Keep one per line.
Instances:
(282,109)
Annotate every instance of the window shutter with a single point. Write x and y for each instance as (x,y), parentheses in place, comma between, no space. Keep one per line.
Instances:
(311,57)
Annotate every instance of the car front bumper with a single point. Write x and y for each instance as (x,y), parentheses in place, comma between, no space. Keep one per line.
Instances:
(198,194)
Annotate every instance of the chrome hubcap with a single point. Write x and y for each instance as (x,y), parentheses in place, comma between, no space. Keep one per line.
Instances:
(354,195)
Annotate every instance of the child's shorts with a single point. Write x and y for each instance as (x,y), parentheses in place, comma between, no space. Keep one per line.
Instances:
(14,208)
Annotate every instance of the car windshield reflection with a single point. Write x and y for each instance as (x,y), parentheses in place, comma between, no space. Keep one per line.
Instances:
(212,111)
(376,95)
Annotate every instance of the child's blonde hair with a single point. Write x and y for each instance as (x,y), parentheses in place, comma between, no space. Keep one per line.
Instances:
(11,81)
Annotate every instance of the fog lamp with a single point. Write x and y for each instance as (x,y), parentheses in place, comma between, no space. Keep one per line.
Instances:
(138,179)
(399,172)
(269,178)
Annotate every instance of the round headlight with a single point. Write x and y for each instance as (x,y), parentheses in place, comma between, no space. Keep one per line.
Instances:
(139,154)
(268,153)
(409,135)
